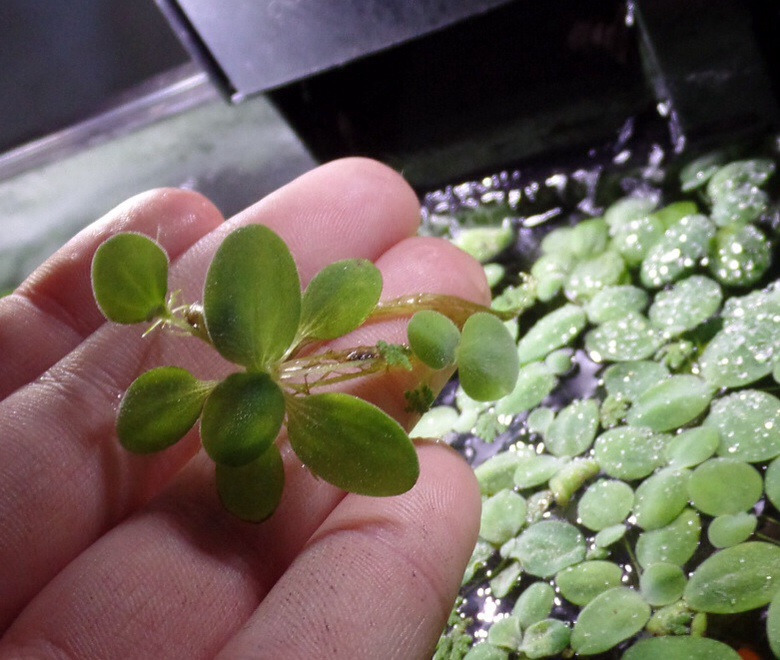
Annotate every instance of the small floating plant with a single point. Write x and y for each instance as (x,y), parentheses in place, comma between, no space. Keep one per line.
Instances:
(635,515)
(255,315)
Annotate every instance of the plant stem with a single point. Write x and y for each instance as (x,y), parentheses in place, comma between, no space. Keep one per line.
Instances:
(456,309)
(305,373)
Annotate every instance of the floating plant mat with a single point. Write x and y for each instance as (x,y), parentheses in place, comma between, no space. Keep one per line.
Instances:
(631,481)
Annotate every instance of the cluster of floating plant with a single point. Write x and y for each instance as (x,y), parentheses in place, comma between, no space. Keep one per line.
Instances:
(636,516)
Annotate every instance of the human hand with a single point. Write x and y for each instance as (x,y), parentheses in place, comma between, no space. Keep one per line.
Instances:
(108,555)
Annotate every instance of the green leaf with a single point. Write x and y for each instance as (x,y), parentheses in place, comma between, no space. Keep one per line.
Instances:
(252,298)
(487,358)
(610,618)
(580,584)
(662,583)
(534,604)
(547,547)
(339,299)
(556,329)
(252,491)
(748,423)
(724,485)
(604,504)
(737,579)
(545,639)
(351,444)
(674,543)
(629,452)
(503,515)
(130,278)
(690,648)
(159,408)
(433,338)
(572,431)
(672,403)
(241,418)
(773,624)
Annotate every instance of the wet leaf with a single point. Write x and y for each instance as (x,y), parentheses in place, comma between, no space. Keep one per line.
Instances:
(614,302)
(773,624)
(506,633)
(130,278)
(589,277)
(626,209)
(662,584)
(549,546)
(252,298)
(252,492)
(535,470)
(740,256)
(503,516)
(497,473)
(671,403)
(661,498)
(628,452)
(534,382)
(534,604)
(159,408)
(571,477)
(690,648)
(484,243)
(678,252)
(731,528)
(744,350)
(486,651)
(748,423)
(573,430)
(692,446)
(674,543)
(628,380)
(634,239)
(487,358)
(505,580)
(688,304)
(433,338)
(555,330)
(339,299)
(737,579)
(604,504)
(241,418)
(545,639)
(738,173)
(610,618)
(772,483)
(631,337)
(351,444)
(435,423)
(580,584)
(724,485)
(699,171)
(609,536)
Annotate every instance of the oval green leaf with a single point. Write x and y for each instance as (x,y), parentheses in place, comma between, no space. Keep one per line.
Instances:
(688,304)
(748,423)
(130,278)
(604,504)
(674,543)
(672,403)
(731,528)
(252,492)
(503,515)
(351,444)
(487,358)
(662,584)
(610,618)
(545,639)
(724,485)
(339,299)
(549,546)
(241,418)
(631,337)
(688,647)
(773,624)
(629,452)
(534,604)
(555,330)
(737,579)
(580,584)
(433,338)
(661,498)
(573,430)
(159,408)
(252,298)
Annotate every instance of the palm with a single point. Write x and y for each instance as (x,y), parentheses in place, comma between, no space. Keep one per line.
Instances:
(104,554)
